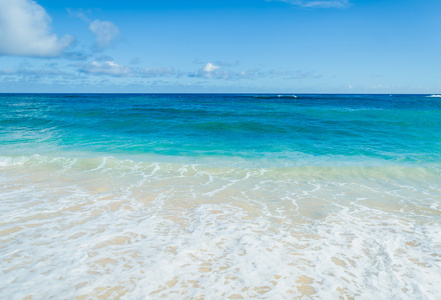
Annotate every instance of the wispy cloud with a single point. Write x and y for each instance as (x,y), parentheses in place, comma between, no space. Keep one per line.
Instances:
(26,73)
(106,32)
(110,68)
(318,3)
(79,13)
(158,72)
(214,71)
(220,63)
(105,68)
(34,72)
(209,70)
(25,30)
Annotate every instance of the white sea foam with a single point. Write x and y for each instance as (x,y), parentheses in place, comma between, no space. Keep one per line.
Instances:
(287,96)
(268,96)
(434,96)
(104,227)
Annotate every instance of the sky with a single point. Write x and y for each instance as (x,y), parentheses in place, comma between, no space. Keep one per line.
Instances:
(220,46)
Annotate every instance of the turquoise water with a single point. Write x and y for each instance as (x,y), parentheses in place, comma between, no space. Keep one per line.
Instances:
(216,196)
(393,128)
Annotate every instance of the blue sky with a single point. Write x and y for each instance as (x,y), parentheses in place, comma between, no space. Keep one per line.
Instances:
(278,46)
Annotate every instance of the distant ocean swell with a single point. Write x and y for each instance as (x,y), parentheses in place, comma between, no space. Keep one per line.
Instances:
(95,206)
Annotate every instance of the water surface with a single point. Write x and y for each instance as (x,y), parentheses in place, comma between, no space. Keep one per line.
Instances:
(220,196)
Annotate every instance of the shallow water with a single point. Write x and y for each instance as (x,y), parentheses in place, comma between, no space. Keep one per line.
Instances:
(220,196)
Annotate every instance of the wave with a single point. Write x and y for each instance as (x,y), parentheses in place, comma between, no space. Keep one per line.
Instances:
(434,96)
(233,169)
(235,230)
(274,96)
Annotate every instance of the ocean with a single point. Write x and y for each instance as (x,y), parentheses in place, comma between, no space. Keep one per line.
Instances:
(219,196)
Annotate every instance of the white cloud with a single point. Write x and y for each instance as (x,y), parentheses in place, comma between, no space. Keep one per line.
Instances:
(105,32)
(209,70)
(218,72)
(318,3)
(25,30)
(105,68)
